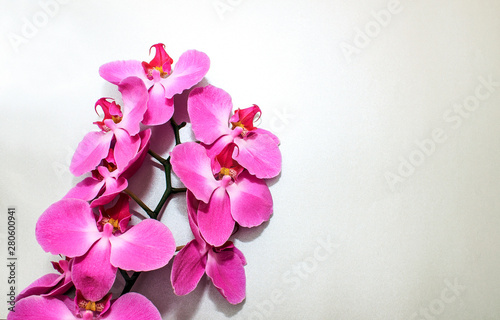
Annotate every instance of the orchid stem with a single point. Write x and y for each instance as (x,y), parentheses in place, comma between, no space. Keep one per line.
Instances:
(176,128)
(129,281)
(139,202)
(167,166)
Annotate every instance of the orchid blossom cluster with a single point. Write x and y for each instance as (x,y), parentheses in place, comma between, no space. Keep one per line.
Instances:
(224,173)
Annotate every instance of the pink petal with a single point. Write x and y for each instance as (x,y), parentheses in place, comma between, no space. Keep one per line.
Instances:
(188,268)
(240,254)
(269,133)
(136,162)
(214,219)
(87,189)
(113,187)
(146,246)
(116,71)
(90,151)
(259,154)
(40,286)
(93,273)
(251,201)
(126,148)
(209,109)
(192,165)
(160,109)
(135,97)
(37,308)
(188,71)
(225,268)
(67,227)
(192,209)
(132,306)
(214,149)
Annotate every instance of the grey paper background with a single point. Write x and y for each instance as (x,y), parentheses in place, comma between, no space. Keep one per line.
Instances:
(387,206)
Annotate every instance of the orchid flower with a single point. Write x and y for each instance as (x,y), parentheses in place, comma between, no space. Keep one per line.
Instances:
(209,109)
(162,82)
(129,306)
(229,195)
(69,227)
(51,284)
(119,126)
(223,264)
(108,179)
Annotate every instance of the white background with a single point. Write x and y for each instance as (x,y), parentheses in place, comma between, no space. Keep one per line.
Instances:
(404,244)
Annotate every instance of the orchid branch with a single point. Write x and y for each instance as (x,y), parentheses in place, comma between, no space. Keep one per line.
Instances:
(139,202)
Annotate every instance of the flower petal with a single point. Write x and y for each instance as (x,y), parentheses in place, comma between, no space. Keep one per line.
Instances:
(93,273)
(160,109)
(126,148)
(90,151)
(191,164)
(36,308)
(225,268)
(87,189)
(259,154)
(116,71)
(188,71)
(149,245)
(251,200)
(188,268)
(113,187)
(40,286)
(209,109)
(214,219)
(192,209)
(269,133)
(135,97)
(132,306)
(67,227)
(136,162)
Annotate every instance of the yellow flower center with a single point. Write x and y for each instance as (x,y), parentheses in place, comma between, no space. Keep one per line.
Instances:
(90,306)
(163,74)
(116,119)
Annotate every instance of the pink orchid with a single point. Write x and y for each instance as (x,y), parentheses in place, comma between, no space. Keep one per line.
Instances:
(228,195)
(162,82)
(209,110)
(129,306)
(108,179)
(69,227)
(120,127)
(51,284)
(224,264)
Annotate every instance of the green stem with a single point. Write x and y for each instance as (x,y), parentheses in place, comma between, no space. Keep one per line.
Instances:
(129,281)
(153,214)
(139,202)
(176,128)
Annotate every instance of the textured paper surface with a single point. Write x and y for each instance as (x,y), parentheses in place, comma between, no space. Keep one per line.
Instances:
(387,206)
